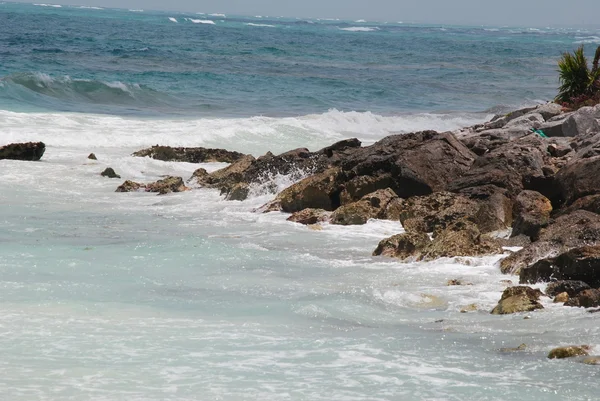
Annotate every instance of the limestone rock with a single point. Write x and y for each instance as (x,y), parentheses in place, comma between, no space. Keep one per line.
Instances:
(582,264)
(109,173)
(370,206)
(29,151)
(239,192)
(569,351)
(403,246)
(571,287)
(591,360)
(579,178)
(585,299)
(310,216)
(319,191)
(461,238)
(189,155)
(532,213)
(130,186)
(167,185)
(518,299)
(561,298)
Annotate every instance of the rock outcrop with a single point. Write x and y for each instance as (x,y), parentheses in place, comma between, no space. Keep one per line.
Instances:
(29,151)
(381,204)
(310,216)
(569,351)
(189,155)
(162,187)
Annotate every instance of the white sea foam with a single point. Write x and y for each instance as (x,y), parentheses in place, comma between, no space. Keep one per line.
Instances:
(136,10)
(360,20)
(49,5)
(261,25)
(172,19)
(587,39)
(91,8)
(218,15)
(201,21)
(360,29)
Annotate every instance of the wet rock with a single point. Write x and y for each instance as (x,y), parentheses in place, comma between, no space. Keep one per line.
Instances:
(469,308)
(370,206)
(585,299)
(226,177)
(29,151)
(571,287)
(319,191)
(561,298)
(520,348)
(189,155)
(580,264)
(518,299)
(461,238)
(457,282)
(130,186)
(591,360)
(568,231)
(92,156)
(310,216)
(167,185)
(531,212)
(200,176)
(110,173)
(403,246)
(239,192)
(569,351)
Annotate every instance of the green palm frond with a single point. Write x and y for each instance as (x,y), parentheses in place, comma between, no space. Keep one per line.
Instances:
(576,79)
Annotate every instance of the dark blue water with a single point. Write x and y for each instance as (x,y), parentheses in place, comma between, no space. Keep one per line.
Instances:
(124,62)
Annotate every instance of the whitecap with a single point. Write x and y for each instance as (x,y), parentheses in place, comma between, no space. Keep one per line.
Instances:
(201,21)
(136,11)
(359,29)
(218,15)
(360,21)
(172,19)
(49,5)
(587,39)
(261,25)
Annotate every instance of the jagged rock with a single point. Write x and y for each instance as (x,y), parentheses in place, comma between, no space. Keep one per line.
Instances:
(461,238)
(239,192)
(110,173)
(410,164)
(319,191)
(571,287)
(514,166)
(532,213)
(199,176)
(583,122)
(569,352)
(527,121)
(518,299)
(579,178)
(585,299)
(590,203)
(403,246)
(189,155)
(310,216)
(167,185)
(561,298)
(130,186)
(501,120)
(559,150)
(225,178)
(436,211)
(371,206)
(580,264)
(549,110)
(92,156)
(567,231)
(29,151)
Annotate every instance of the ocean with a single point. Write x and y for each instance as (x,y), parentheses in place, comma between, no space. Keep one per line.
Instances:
(113,296)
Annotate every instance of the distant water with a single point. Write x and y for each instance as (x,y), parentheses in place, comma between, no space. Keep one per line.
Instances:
(109,296)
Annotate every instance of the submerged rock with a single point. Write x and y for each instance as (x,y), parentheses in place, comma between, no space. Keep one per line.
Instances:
(130,186)
(29,151)
(569,351)
(310,216)
(521,347)
(518,299)
(189,155)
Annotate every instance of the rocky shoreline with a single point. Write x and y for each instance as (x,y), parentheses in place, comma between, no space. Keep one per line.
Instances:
(527,180)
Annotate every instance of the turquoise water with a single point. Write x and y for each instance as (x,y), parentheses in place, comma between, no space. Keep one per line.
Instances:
(111,296)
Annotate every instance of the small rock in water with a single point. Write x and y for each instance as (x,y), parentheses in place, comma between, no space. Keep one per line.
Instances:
(518,299)
(130,186)
(310,216)
(30,151)
(569,352)
(469,308)
(562,297)
(456,282)
(110,173)
(92,156)
(521,347)
(591,360)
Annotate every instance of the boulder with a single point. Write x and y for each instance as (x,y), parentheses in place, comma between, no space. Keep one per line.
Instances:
(591,203)
(189,155)
(518,299)
(500,121)
(583,122)
(579,264)
(461,238)
(561,298)
(568,231)
(531,213)
(319,191)
(585,299)
(370,206)
(92,156)
(110,173)
(403,246)
(571,287)
(569,352)
(410,164)
(130,186)
(549,110)
(29,151)
(591,360)
(579,178)
(527,121)
(167,185)
(239,192)
(310,216)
